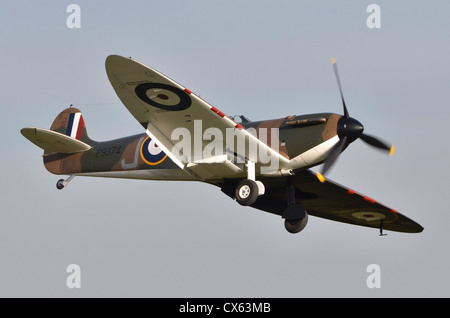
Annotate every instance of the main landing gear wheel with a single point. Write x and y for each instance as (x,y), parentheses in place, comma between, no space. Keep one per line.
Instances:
(295,226)
(247,192)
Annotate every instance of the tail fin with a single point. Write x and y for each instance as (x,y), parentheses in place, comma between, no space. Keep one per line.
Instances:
(67,136)
(70,122)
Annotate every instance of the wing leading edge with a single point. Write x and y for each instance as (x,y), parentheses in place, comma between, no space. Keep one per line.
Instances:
(332,201)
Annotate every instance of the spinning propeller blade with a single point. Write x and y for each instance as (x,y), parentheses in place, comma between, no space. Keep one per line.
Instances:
(375,142)
(349,129)
(333,61)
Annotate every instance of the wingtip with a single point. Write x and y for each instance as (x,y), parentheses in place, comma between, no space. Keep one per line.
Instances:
(114,59)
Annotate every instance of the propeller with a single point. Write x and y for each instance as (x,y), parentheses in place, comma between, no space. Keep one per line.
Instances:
(349,129)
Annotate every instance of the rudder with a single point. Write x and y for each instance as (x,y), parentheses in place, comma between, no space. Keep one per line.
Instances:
(70,122)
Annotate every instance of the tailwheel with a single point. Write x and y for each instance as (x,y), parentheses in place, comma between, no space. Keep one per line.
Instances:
(61,184)
(296,226)
(247,192)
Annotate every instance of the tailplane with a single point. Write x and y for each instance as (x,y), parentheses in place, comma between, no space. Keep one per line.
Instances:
(67,135)
(51,141)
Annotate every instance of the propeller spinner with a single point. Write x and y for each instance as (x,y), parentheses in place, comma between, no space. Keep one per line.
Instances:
(349,129)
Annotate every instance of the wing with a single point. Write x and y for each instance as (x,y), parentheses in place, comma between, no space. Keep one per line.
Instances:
(332,201)
(186,127)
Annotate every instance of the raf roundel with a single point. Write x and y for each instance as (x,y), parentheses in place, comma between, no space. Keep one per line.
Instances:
(151,153)
(163,96)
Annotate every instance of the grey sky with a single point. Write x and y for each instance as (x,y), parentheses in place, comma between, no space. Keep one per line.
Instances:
(264,59)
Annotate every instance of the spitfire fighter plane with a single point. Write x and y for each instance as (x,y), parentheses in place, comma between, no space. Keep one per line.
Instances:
(262,164)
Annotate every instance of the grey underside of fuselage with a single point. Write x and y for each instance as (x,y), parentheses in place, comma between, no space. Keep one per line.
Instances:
(150,174)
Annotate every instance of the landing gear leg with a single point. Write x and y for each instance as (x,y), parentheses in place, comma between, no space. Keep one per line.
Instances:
(295,216)
(61,184)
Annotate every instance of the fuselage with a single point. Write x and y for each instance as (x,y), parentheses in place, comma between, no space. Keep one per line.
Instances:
(299,141)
